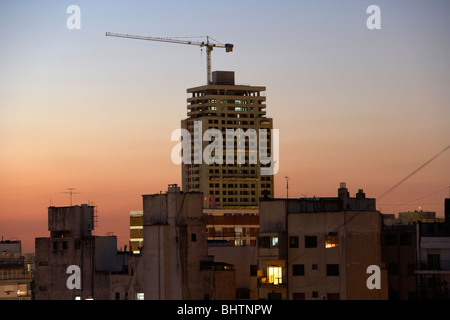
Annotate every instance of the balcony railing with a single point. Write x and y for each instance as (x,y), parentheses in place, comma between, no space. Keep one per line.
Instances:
(14,274)
(433,265)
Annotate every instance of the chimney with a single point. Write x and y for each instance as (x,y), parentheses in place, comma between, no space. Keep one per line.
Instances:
(173,188)
(343,191)
(360,194)
(343,196)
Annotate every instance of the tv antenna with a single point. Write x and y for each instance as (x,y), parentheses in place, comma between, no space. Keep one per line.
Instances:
(71,193)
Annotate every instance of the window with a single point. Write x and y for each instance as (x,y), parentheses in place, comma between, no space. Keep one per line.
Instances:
(391,239)
(332,269)
(405,239)
(298,270)
(194,237)
(310,241)
(332,240)
(298,296)
(393,268)
(293,242)
(253,270)
(274,241)
(274,296)
(314,266)
(434,261)
(65,245)
(140,296)
(264,242)
(274,274)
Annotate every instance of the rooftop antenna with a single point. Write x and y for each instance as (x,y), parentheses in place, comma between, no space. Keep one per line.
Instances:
(287,186)
(70,192)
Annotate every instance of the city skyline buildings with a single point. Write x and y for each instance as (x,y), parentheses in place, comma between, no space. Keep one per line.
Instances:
(84,111)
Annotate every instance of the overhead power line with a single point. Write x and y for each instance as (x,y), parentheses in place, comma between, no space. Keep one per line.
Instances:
(413,173)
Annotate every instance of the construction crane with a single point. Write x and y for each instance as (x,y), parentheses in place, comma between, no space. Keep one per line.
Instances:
(208,44)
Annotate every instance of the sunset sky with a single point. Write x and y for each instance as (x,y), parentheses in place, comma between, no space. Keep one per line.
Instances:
(96,113)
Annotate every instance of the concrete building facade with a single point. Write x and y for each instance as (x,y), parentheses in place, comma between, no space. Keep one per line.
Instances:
(136,231)
(398,247)
(433,258)
(227,107)
(15,275)
(319,248)
(175,254)
(103,271)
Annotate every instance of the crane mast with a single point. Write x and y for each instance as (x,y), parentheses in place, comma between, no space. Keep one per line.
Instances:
(208,44)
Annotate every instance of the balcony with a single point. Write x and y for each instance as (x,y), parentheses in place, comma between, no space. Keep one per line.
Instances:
(431,265)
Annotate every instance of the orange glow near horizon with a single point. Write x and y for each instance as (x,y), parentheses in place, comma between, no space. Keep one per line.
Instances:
(81,110)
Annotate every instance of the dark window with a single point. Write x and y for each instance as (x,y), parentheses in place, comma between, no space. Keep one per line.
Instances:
(332,270)
(55,245)
(333,296)
(298,296)
(194,237)
(405,239)
(315,294)
(264,242)
(275,296)
(298,270)
(393,268)
(65,245)
(314,266)
(391,240)
(293,242)
(434,261)
(242,293)
(310,241)
(253,270)
(117,296)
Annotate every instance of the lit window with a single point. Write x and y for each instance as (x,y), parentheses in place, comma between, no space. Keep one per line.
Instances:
(274,274)
(332,240)
(140,296)
(274,241)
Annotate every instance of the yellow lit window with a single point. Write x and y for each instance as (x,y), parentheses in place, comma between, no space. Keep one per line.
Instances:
(274,274)
(332,240)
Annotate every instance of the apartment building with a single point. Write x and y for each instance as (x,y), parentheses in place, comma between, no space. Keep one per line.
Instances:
(433,258)
(176,263)
(136,231)
(103,271)
(238,113)
(319,248)
(15,274)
